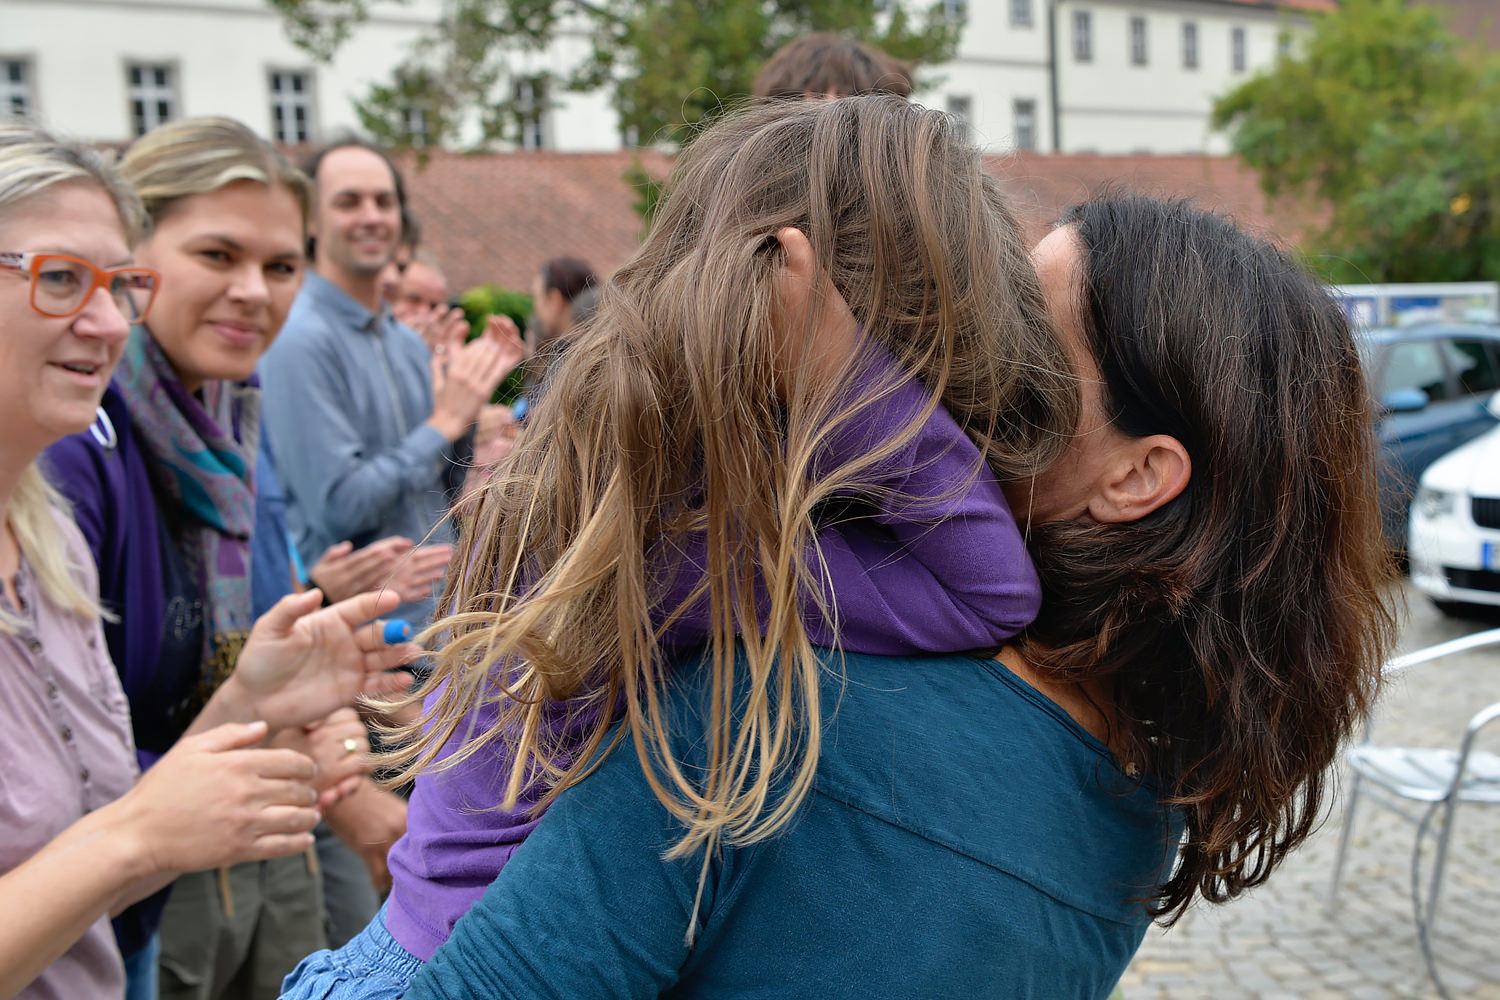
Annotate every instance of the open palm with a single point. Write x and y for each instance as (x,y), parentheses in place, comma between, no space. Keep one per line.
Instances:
(300,664)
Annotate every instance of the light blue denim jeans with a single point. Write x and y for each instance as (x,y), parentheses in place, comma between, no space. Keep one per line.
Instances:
(372,966)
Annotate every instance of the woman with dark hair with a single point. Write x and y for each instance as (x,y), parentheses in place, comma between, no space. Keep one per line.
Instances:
(1215,612)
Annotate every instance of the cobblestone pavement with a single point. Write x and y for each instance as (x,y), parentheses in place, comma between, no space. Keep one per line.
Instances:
(1282,941)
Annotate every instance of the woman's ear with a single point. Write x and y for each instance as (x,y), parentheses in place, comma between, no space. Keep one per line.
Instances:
(1145,473)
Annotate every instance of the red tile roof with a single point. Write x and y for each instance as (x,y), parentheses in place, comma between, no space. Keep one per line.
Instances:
(1040,186)
(499,216)
(1472,19)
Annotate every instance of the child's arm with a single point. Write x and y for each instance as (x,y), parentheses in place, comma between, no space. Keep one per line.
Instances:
(934,562)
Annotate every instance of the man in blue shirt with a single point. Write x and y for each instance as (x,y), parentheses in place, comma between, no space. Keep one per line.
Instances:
(365,419)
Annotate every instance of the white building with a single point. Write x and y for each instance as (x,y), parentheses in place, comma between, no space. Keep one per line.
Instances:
(1110,76)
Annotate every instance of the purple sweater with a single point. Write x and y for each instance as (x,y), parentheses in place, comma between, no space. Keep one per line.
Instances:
(941,568)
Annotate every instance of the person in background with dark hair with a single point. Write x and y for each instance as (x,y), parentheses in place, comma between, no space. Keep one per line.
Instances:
(826,65)
(563,296)
(364,446)
(553,317)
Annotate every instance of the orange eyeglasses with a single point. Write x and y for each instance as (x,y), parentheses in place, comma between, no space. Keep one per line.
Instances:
(61,285)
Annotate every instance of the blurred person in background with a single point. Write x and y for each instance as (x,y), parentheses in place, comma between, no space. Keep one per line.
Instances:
(826,65)
(423,290)
(366,431)
(562,294)
(406,248)
(82,839)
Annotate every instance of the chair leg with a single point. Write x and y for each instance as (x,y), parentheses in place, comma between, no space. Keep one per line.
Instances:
(1445,835)
(1344,834)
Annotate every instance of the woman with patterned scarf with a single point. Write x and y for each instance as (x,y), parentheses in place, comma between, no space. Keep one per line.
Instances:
(163,488)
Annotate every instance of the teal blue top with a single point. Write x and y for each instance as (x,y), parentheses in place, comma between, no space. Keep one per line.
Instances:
(966,838)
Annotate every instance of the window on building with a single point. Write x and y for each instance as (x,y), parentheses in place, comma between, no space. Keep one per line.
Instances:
(1189,44)
(1020,13)
(530,97)
(16,97)
(418,129)
(291,107)
(1284,44)
(1237,56)
(152,89)
(1138,52)
(1083,36)
(1025,124)
(961,107)
(956,11)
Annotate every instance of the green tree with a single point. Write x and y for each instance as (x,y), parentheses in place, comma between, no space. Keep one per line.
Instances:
(669,63)
(1382,127)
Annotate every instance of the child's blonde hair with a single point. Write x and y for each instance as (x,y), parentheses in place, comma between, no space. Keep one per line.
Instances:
(667,416)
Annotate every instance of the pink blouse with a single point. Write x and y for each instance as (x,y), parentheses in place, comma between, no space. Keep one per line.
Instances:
(65,750)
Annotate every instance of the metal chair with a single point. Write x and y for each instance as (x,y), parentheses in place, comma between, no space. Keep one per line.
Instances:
(1441,778)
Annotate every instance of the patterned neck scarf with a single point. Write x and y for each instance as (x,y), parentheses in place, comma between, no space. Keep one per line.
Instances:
(200,450)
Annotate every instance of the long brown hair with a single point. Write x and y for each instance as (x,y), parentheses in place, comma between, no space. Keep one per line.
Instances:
(1243,624)
(668,416)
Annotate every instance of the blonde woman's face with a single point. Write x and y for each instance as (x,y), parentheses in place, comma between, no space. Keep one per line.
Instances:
(53,372)
(231,263)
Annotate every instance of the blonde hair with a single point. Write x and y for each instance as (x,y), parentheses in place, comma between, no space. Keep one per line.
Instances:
(667,417)
(32,161)
(198,155)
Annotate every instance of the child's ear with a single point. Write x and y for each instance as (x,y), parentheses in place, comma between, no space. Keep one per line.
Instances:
(799,270)
(798,254)
(815,331)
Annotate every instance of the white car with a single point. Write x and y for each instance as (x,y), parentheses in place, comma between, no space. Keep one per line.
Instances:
(1454,539)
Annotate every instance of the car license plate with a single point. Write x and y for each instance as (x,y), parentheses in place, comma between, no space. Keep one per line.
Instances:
(1489,556)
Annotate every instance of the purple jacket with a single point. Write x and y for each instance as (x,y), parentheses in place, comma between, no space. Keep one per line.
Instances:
(941,568)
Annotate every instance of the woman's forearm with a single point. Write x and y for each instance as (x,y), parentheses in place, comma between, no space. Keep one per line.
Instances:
(50,900)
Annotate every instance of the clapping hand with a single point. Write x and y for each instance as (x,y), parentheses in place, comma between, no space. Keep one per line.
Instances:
(340,748)
(301,663)
(212,800)
(463,382)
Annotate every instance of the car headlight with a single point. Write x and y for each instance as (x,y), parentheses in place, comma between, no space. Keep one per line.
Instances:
(1434,503)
